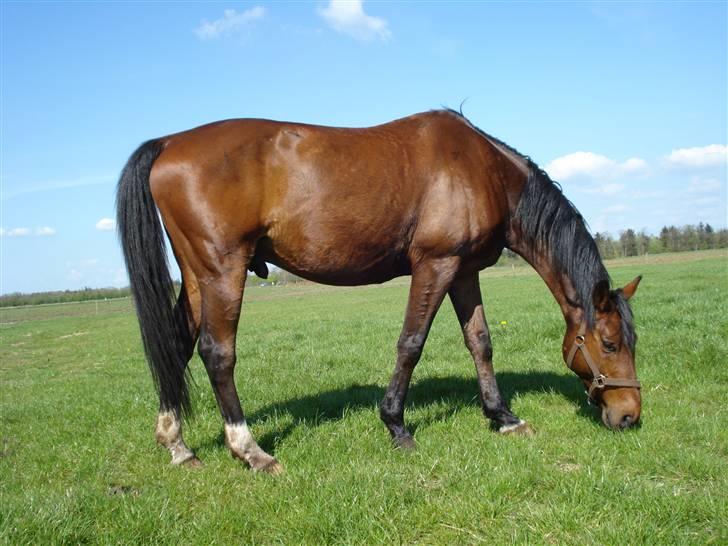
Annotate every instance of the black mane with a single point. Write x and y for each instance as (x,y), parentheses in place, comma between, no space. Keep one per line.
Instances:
(550,223)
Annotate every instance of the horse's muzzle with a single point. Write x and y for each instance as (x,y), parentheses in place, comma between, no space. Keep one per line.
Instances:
(618,419)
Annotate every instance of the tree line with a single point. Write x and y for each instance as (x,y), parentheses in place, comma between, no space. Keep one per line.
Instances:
(670,239)
(62,296)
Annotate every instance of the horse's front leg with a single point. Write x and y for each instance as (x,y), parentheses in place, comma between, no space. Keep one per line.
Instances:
(430,282)
(466,298)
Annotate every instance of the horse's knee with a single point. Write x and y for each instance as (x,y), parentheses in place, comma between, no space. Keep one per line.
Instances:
(409,347)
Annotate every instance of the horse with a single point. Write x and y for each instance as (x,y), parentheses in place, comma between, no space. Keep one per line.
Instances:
(430,195)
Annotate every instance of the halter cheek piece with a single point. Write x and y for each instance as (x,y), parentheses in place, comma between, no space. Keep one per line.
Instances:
(599,380)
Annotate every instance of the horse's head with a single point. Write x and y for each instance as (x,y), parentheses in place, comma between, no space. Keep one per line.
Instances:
(603,355)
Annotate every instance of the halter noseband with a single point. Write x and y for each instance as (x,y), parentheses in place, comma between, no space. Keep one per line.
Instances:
(599,380)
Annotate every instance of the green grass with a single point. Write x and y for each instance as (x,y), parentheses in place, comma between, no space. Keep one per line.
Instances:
(79,463)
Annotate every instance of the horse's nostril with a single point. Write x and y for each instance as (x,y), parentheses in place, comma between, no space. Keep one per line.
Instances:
(627,421)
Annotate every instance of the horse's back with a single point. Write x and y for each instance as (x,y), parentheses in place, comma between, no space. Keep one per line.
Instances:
(334,204)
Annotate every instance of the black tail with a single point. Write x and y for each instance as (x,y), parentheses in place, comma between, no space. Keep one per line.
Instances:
(164,329)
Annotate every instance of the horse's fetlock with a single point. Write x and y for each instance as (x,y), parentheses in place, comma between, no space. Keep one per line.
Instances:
(390,410)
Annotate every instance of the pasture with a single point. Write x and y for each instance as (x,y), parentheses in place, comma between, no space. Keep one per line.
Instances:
(79,463)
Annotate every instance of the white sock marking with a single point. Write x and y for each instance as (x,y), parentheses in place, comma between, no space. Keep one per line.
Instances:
(239,439)
(169,434)
(511,428)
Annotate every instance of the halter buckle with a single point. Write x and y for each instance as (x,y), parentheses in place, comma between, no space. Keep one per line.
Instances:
(579,340)
(599,382)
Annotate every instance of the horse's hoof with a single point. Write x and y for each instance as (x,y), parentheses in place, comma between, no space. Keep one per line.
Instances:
(188,460)
(262,462)
(406,443)
(192,462)
(519,429)
(272,467)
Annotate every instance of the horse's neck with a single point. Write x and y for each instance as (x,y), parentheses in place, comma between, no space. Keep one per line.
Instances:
(560,285)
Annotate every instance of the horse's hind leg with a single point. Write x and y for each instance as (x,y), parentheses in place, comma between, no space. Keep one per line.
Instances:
(222,296)
(466,298)
(168,431)
(430,281)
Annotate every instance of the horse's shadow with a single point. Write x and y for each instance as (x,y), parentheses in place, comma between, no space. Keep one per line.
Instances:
(452,393)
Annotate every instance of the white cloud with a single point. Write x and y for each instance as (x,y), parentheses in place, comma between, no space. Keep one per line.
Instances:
(16,232)
(27,232)
(105,224)
(229,22)
(591,165)
(578,163)
(634,165)
(348,17)
(705,156)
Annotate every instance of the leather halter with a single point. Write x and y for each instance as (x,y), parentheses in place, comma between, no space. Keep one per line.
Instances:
(599,380)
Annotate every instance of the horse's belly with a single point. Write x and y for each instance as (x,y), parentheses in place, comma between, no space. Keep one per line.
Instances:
(336,261)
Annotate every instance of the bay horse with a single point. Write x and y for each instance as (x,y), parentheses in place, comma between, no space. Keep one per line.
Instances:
(429,195)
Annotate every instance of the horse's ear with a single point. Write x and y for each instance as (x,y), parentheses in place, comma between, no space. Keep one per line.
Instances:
(600,296)
(631,287)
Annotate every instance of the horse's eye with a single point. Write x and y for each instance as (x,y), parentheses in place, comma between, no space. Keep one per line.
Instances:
(609,347)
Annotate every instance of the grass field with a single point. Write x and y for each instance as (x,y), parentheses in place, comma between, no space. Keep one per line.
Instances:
(79,463)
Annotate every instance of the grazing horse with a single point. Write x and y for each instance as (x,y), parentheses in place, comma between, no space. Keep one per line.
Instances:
(429,195)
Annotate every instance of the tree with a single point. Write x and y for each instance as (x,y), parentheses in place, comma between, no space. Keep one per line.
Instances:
(643,242)
(707,239)
(656,246)
(689,237)
(628,241)
(665,238)
(721,238)
(674,237)
(604,245)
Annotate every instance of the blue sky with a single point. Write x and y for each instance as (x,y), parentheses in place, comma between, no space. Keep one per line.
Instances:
(623,103)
